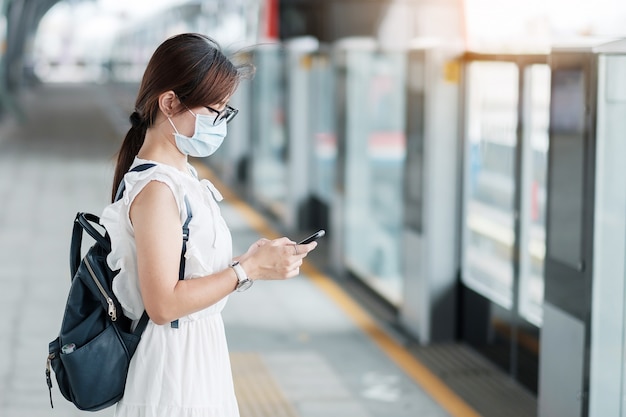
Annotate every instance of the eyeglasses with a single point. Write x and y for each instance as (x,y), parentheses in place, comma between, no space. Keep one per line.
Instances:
(225,115)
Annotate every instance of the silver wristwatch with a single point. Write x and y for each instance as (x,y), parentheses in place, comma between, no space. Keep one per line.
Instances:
(244,282)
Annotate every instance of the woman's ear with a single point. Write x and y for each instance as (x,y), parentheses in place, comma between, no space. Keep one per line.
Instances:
(168,102)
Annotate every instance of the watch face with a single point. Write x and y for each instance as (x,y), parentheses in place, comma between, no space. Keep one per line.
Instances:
(244,285)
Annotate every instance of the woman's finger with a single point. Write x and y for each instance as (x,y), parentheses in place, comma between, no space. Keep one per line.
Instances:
(304,249)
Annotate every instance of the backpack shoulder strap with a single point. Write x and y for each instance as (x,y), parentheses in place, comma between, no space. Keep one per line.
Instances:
(143,323)
(181,268)
(122,186)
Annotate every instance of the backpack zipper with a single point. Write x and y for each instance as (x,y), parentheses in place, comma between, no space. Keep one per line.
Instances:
(112,311)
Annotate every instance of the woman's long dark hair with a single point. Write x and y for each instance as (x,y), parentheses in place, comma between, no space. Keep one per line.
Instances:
(193,66)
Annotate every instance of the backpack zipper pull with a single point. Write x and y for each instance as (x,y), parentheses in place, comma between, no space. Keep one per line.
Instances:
(48,379)
(112,309)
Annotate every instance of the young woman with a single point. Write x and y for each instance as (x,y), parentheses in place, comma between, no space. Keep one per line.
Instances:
(181,367)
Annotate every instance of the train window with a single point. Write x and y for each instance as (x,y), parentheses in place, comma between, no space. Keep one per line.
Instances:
(492,212)
(489,198)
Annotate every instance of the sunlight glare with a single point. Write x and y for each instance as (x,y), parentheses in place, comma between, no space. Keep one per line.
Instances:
(536,24)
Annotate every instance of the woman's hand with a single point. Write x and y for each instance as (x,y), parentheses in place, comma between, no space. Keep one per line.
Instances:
(255,246)
(274,259)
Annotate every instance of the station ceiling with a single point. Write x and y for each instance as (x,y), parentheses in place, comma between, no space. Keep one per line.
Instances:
(22,19)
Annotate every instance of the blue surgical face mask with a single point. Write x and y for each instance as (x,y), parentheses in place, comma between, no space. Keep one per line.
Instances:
(206,139)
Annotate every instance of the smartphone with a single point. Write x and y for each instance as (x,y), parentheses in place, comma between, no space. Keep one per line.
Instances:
(313,237)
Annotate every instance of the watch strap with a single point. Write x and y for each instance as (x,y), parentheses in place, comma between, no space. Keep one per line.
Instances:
(243,282)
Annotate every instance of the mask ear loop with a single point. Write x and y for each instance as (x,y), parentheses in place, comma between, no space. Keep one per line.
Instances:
(188,109)
(172,123)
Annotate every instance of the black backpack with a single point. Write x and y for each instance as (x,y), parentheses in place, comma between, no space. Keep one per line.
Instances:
(90,358)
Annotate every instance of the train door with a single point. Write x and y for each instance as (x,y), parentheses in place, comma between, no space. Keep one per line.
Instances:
(506,113)
(269,166)
(371,153)
(582,349)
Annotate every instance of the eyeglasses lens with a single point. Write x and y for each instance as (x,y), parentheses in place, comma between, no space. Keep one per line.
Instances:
(225,115)
(228,114)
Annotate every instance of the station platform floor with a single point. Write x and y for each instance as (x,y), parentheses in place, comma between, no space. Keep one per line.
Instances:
(299,348)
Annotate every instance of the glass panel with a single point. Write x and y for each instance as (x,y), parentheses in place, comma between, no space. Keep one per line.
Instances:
(375,154)
(488,221)
(270,146)
(322,119)
(534,182)
(566,188)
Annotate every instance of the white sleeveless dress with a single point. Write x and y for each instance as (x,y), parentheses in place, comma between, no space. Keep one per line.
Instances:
(183,372)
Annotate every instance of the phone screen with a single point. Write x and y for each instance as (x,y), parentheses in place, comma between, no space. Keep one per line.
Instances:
(313,237)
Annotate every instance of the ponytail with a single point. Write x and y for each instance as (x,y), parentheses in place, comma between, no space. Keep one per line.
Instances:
(129,149)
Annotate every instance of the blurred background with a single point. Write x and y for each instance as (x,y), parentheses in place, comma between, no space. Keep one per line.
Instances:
(464,157)
(75,40)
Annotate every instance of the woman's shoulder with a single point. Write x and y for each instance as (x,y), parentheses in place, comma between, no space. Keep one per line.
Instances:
(155,178)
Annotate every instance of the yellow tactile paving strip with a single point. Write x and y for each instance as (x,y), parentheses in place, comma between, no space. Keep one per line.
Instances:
(429,382)
(257,392)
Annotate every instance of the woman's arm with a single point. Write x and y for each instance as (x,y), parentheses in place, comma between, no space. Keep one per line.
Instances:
(156,222)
